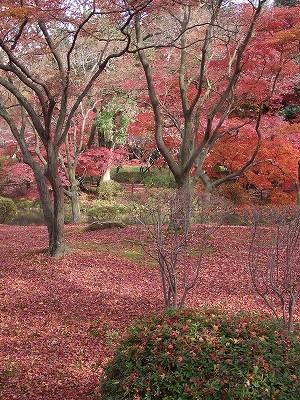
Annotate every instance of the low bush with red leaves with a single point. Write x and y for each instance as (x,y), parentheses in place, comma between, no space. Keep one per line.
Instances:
(204,355)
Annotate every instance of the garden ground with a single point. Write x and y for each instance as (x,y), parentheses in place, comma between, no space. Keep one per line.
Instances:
(61,318)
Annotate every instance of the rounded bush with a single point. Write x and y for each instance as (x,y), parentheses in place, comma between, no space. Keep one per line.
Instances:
(159,179)
(8,210)
(109,190)
(289,112)
(128,175)
(203,355)
(107,210)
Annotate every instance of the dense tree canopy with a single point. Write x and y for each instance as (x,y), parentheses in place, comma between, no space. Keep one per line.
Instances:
(206,83)
(46,74)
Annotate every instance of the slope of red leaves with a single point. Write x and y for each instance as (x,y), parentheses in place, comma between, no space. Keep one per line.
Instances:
(59,318)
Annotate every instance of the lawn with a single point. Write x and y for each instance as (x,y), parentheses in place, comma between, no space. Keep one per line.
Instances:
(60,319)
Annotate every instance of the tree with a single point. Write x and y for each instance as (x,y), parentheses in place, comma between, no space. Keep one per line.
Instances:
(178,265)
(205,61)
(16,179)
(274,262)
(275,166)
(111,123)
(41,86)
(71,152)
(96,161)
(15,176)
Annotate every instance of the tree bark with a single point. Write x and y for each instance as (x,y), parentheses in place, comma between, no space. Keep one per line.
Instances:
(76,213)
(106,176)
(45,197)
(57,245)
(72,193)
(181,207)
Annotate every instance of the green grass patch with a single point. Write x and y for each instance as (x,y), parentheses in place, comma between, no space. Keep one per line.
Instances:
(128,250)
(128,174)
(133,254)
(159,178)
(194,251)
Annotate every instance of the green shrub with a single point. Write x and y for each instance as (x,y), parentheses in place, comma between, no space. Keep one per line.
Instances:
(128,175)
(29,212)
(159,179)
(289,112)
(203,355)
(109,190)
(108,210)
(8,210)
(28,205)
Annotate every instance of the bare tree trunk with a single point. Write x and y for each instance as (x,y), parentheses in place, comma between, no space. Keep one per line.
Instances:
(45,197)
(57,246)
(290,326)
(76,213)
(106,176)
(72,193)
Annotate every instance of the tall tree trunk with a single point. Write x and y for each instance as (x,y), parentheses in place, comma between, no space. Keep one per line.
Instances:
(57,246)
(106,176)
(45,197)
(92,137)
(72,193)
(206,203)
(76,214)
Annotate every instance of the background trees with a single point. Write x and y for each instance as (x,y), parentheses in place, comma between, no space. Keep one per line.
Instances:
(214,72)
(42,83)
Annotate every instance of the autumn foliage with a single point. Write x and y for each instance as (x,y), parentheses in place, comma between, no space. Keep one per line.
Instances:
(207,91)
(213,106)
